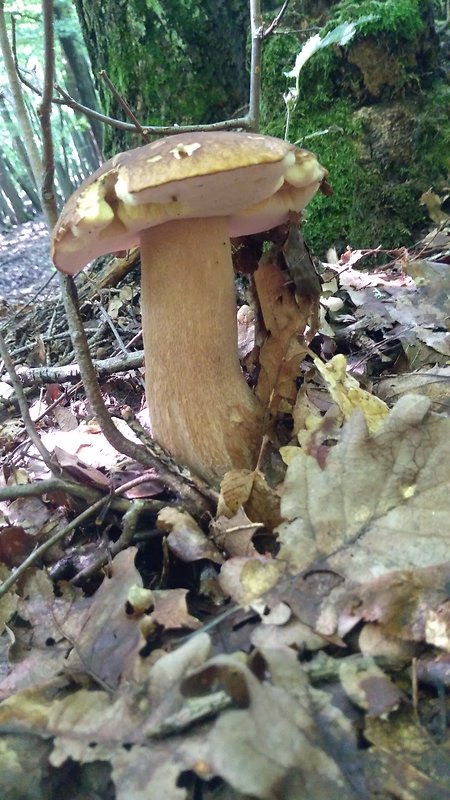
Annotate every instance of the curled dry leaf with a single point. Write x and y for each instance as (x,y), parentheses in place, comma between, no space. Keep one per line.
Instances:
(281,352)
(348,395)
(186,539)
(250,490)
(233,535)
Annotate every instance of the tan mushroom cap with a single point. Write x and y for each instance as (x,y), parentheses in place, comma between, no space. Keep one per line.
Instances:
(253,180)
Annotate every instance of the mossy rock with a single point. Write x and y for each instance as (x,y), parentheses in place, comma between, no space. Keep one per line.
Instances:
(376,112)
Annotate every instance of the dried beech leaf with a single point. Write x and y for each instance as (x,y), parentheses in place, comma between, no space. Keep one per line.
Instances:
(234,491)
(284,321)
(382,501)
(348,395)
(233,535)
(251,491)
(186,539)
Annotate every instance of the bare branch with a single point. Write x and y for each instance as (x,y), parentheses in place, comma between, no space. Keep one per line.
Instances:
(123,104)
(71,372)
(23,406)
(276,21)
(45,113)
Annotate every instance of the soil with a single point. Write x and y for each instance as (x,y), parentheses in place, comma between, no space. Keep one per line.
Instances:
(25,264)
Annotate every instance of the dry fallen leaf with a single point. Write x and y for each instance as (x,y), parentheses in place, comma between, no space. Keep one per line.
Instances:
(185,538)
(348,395)
(382,501)
(250,490)
(282,352)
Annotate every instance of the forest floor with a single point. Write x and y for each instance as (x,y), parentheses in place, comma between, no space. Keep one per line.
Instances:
(25,263)
(288,637)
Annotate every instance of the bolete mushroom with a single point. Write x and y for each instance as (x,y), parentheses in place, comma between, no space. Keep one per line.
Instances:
(180,199)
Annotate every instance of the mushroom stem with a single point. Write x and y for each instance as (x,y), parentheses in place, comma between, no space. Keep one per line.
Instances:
(201,408)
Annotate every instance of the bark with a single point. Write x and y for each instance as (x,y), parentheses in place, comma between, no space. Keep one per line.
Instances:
(184,63)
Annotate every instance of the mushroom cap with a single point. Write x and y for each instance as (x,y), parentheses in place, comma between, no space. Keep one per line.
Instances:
(252,179)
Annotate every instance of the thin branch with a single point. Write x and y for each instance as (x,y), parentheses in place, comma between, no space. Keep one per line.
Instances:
(82,492)
(123,104)
(152,130)
(45,114)
(71,372)
(23,406)
(276,21)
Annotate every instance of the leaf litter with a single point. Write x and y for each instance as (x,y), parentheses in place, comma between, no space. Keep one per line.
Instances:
(297,644)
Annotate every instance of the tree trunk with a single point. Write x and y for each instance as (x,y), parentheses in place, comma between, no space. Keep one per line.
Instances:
(6,212)
(19,101)
(11,193)
(82,87)
(380,106)
(24,183)
(174,62)
(19,147)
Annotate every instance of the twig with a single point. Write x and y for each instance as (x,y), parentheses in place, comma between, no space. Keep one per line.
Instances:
(257,33)
(34,376)
(45,114)
(23,406)
(123,104)
(276,21)
(129,523)
(106,317)
(152,130)
(79,490)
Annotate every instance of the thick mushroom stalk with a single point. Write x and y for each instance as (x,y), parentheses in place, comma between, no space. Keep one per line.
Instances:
(200,405)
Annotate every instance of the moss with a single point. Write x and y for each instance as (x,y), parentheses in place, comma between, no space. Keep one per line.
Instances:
(397,19)
(387,117)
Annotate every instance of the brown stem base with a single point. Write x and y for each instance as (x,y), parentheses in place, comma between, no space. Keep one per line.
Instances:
(201,408)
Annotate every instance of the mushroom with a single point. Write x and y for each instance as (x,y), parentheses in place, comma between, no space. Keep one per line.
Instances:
(180,199)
